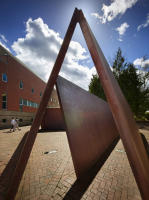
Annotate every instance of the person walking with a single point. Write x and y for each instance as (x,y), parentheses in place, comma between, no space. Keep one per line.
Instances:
(13,124)
(17,124)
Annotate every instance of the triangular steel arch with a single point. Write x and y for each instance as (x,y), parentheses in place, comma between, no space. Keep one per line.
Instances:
(120,110)
(89,125)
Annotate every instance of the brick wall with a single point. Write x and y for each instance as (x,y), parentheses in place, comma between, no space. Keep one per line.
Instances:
(25,118)
(33,89)
(16,72)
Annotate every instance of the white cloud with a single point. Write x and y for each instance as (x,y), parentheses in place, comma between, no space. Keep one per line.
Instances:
(3,38)
(145,24)
(96,15)
(121,30)
(144,63)
(2,44)
(115,8)
(39,49)
(120,39)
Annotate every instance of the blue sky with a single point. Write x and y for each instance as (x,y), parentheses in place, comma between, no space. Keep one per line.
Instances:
(33,31)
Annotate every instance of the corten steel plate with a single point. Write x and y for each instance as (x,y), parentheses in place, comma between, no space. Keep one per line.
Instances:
(89,123)
(53,120)
(121,112)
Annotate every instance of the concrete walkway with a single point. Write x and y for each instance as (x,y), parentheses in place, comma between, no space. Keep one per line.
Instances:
(50,174)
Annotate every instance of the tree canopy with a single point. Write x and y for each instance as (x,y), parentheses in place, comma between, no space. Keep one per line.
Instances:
(133,82)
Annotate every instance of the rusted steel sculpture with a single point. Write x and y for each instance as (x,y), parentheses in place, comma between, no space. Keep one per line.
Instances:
(57,122)
(89,123)
(121,112)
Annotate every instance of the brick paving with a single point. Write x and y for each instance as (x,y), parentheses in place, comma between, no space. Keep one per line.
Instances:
(50,176)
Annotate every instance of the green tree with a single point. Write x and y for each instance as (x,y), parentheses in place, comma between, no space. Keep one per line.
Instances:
(132,82)
(96,88)
(144,79)
(119,64)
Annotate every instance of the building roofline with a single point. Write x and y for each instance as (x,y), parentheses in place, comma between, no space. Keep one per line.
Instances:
(19,61)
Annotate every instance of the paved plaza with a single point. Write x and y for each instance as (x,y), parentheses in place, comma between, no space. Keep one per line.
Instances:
(50,174)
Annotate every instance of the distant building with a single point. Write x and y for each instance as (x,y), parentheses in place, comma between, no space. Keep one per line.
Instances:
(20,91)
(53,101)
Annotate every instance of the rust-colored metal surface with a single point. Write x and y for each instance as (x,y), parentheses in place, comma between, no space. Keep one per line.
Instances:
(89,123)
(121,112)
(26,150)
(53,120)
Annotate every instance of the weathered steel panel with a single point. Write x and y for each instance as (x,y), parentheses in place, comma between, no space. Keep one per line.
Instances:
(89,123)
(53,120)
(121,112)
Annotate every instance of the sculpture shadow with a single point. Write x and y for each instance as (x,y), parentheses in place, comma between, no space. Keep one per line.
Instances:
(7,174)
(79,187)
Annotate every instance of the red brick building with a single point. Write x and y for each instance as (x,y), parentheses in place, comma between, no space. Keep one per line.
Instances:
(20,90)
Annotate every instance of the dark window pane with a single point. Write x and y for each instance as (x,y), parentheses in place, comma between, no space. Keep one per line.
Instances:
(21,101)
(3,105)
(20,120)
(4,101)
(4,120)
(4,98)
(32,90)
(25,102)
(30,103)
(21,84)
(4,77)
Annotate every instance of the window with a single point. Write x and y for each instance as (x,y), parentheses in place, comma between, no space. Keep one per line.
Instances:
(4,77)
(40,94)
(21,104)
(4,101)
(32,90)
(30,103)
(33,105)
(21,101)
(20,120)
(24,102)
(27,103)
(21,84)
(36,105)
(4,120)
